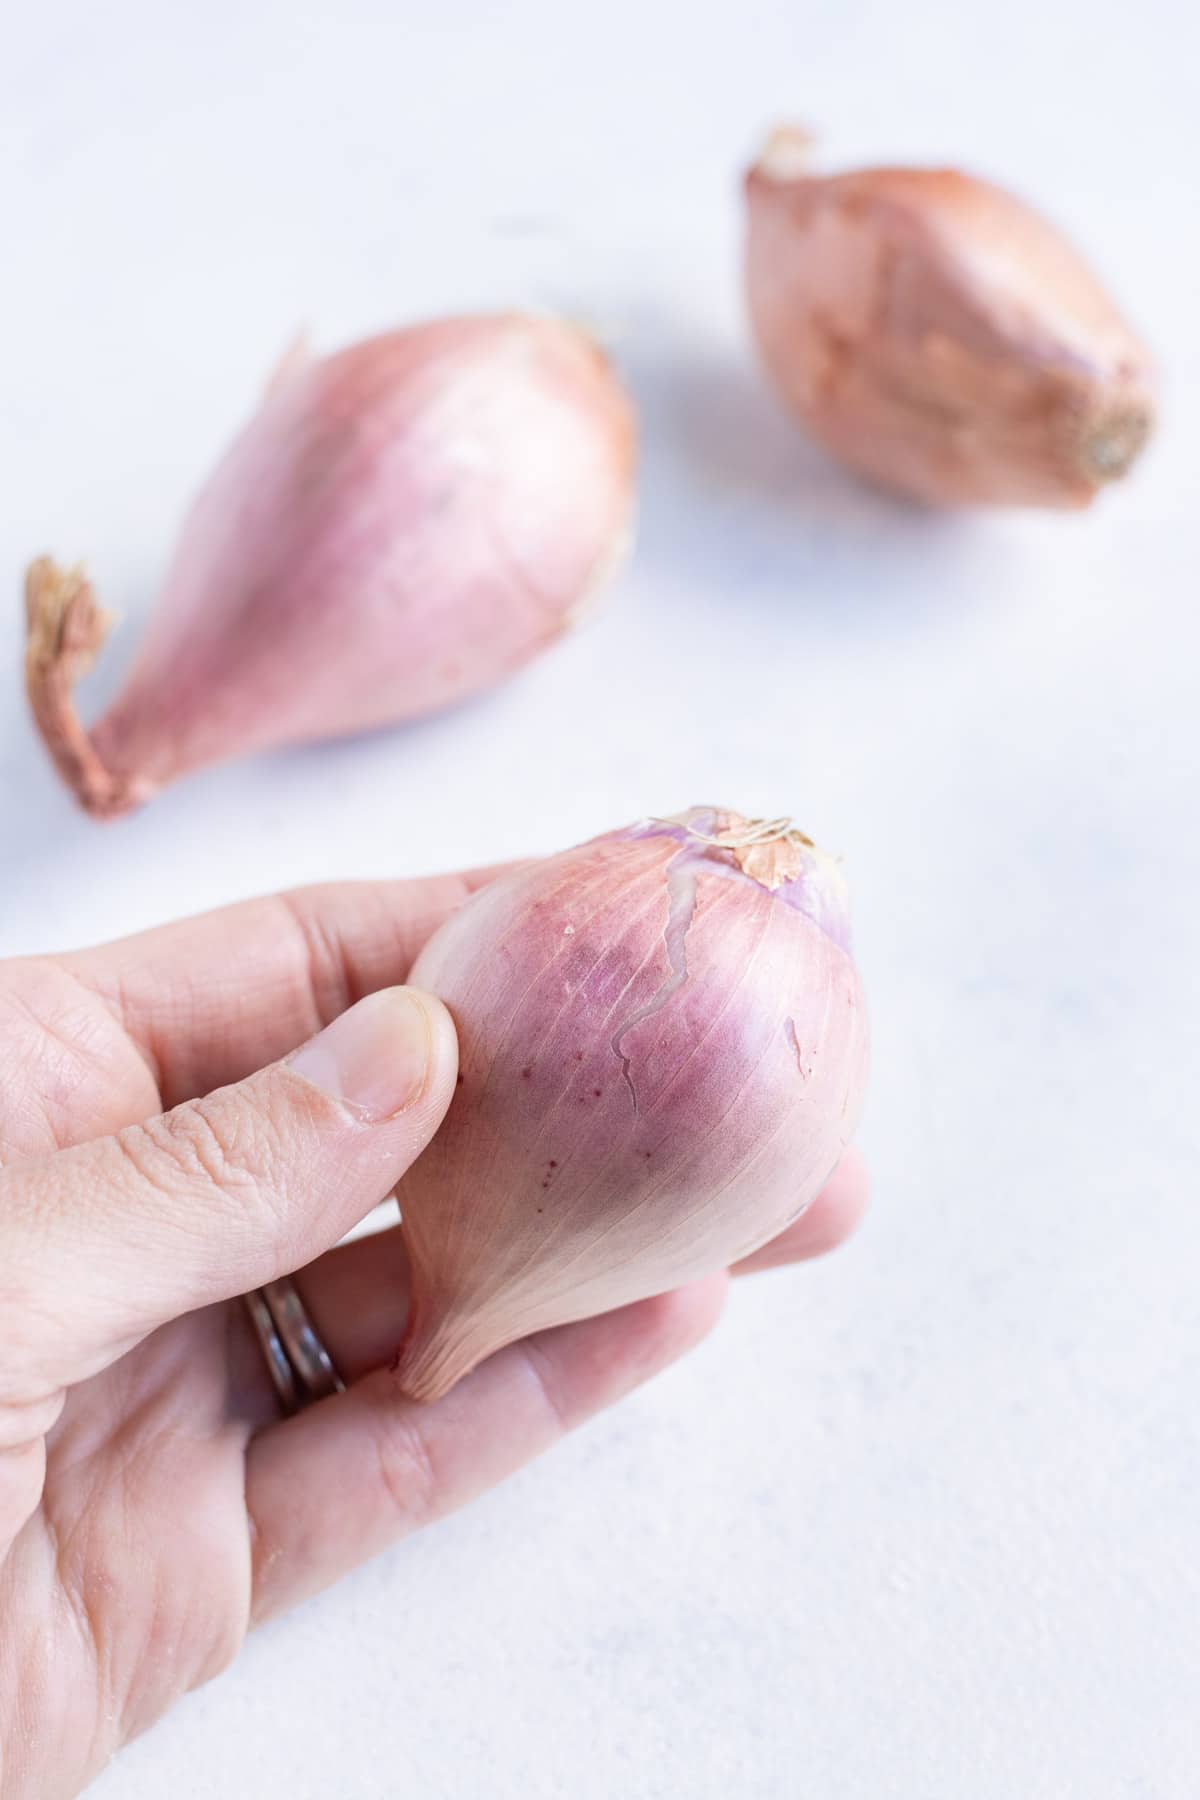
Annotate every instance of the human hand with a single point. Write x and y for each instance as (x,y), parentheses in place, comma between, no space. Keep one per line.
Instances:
(157,1161)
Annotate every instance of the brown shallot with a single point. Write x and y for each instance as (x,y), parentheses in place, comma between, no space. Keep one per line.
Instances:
(937,335)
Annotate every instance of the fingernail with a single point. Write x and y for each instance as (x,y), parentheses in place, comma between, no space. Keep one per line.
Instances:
(375,1057)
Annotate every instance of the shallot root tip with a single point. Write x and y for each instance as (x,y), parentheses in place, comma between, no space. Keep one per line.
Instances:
(788,153)
(65,629)
(296,357)
(1114,443)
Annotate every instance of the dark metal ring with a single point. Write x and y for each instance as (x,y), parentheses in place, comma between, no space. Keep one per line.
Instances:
(301,1367)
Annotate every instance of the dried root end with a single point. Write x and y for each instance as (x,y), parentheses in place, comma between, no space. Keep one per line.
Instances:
(770,851)
(66,627)
(787,154)
(296,358)
(1114,442)
(65,630)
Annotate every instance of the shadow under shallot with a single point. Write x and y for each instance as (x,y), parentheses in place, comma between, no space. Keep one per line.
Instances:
(733,492)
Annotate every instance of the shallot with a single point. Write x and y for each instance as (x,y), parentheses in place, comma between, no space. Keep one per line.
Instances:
(663,1054)
(400,525)
(937,335)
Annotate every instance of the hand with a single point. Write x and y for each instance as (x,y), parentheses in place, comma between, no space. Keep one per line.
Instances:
(153,1502)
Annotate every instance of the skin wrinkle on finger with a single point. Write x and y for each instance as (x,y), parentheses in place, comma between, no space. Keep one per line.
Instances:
(71,1029)
(23,1422)
(328,975)
(81,1076)
(22,1474)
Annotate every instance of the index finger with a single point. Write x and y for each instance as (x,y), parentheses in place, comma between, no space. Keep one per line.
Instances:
(211,999)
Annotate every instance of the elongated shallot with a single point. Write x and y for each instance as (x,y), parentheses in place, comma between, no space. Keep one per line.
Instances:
(400,525)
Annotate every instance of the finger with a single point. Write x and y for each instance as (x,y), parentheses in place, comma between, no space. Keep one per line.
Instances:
(102,1242)
(340,1481)
(210,999)
(828,1222)
(22,1478)
(357,1299)
(357,1295)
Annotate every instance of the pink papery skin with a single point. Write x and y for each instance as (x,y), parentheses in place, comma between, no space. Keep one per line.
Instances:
(661,1063)
(401,525)
(939,336)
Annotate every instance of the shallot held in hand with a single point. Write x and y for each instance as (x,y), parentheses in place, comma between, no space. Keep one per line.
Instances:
(400,525)
(663,1053)
(939,336)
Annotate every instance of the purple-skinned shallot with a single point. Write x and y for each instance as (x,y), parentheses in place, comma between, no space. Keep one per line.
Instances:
(663,1054)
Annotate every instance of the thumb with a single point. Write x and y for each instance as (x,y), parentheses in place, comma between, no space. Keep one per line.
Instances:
(103,1242)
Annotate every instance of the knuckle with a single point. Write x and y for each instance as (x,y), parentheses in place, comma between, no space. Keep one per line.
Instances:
(23,1422)
(220,1148)
(326,973)
(408,1473)
(544,1386)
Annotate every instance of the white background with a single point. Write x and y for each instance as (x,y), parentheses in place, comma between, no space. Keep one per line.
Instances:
(922,1521)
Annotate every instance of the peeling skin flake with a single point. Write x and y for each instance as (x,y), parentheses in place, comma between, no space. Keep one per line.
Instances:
(771,853)
(682,874)
(805,1068)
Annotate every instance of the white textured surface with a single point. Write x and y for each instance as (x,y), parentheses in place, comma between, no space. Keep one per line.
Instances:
(922,1521)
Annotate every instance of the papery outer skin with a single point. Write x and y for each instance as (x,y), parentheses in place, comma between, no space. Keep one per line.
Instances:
(940,337)
(401,525)
(549,1193)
